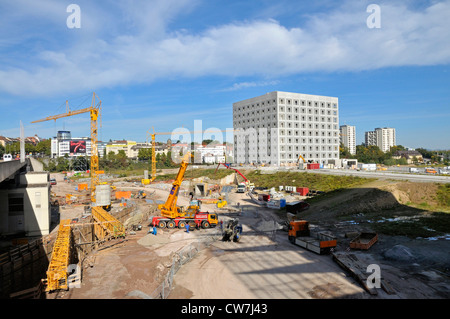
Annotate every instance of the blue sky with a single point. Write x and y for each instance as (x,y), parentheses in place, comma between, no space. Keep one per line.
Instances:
(167,63)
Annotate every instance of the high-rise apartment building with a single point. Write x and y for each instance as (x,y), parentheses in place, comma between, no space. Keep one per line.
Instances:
(370,138)
(348,138)
(384,138)
(277,127)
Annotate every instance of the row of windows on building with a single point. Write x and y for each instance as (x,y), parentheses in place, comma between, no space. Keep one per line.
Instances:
(293,156)
(242,123)
(282,109)
(288,102)
(304,146)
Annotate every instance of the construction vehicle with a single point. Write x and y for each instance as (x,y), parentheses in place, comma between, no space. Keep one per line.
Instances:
(198,220)
(232,231)
(244,186)
(221,202)
(318,242)
(141,195)
(174,216)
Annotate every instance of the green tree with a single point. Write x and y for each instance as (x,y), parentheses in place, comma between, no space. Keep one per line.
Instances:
(344,152)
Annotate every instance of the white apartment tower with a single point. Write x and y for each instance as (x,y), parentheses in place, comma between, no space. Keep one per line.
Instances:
(277,127)
(385,138)
(348,138)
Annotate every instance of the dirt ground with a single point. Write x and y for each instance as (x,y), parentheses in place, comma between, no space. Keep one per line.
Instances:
(264,264)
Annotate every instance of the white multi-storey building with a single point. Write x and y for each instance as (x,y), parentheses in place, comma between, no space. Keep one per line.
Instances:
(348,138)
(385,138)
(64,144)
(278,127)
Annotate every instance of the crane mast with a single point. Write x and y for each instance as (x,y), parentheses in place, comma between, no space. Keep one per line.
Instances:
(94,111)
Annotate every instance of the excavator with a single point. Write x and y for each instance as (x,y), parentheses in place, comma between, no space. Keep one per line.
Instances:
(175,216)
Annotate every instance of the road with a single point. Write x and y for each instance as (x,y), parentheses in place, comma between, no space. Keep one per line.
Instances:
(387,175)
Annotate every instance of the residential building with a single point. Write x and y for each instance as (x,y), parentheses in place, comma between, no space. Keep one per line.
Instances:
(123,145)
(211,154)
(278,127)
(348,138)
(385,138)
(101,148)
(410,156)
(370,138)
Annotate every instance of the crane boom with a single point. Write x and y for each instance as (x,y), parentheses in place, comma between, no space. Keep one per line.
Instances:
(94,111)
(169,208)
(237,171)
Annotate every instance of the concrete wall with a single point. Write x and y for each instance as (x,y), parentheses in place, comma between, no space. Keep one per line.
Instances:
(36,217)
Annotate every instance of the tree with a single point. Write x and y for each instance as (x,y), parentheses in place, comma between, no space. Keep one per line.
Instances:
(44,147)
(344,152)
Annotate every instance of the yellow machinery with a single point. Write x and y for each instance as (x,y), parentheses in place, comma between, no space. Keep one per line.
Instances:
(170,209)
(153,159)
(94,111)
(57,269)
(105,225)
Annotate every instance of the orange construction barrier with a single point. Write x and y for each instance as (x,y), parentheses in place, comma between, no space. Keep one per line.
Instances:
(82,187)
(123,194)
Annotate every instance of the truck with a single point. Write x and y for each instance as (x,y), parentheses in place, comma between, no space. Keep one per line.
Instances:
(247,185)
(241,188)
(413,170)
(430,170)
(199,220)
(319,242)
(175,216)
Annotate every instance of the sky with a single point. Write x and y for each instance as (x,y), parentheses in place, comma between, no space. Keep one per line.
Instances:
(169,64)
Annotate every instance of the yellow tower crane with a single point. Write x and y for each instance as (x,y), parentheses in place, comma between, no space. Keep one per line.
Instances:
(94,111)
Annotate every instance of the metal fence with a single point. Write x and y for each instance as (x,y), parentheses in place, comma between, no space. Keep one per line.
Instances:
(182,257)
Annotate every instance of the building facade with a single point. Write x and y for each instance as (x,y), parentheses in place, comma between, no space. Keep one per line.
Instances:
(278,127)
(63,144)
(385,138)
(24,204)
(370,138)
(348,138)
(126,146)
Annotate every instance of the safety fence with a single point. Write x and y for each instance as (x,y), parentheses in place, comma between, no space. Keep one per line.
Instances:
(182,257)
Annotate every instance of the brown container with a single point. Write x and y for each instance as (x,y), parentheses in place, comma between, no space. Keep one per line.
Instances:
(364,241)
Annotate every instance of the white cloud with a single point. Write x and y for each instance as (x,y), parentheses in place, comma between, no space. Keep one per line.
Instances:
(141,49)
(244,85)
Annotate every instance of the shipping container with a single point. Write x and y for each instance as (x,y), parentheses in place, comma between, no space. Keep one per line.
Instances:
(302,191)
(313,166)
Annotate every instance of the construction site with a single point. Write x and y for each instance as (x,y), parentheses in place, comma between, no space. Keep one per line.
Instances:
(230,238)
